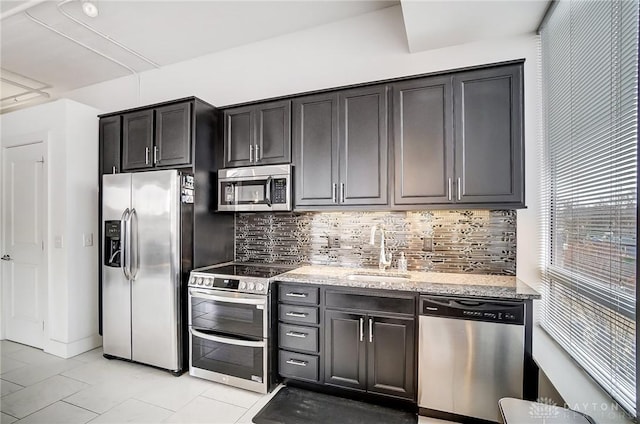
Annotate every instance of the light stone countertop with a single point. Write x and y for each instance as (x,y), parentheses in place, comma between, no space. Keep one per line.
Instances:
(476,285)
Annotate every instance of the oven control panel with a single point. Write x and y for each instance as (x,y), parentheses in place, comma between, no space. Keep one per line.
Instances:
(227,284)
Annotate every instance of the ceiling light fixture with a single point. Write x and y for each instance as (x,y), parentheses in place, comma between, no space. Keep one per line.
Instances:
(90,8)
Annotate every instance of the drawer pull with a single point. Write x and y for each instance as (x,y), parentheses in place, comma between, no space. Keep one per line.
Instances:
(296,334)
(297,294)
(297,314)
(298,363)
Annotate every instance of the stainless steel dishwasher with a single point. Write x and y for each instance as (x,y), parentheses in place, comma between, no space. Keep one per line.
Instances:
(471,354)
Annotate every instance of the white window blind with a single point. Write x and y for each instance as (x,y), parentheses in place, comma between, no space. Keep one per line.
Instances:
(590,89)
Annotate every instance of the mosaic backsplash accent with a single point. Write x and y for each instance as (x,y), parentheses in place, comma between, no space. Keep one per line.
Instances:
(479,241)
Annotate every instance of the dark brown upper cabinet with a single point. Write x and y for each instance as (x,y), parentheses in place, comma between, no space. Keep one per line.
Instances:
(423,141)
(489,153)
(363,140)
(137,140)
(340,148)
(258,134)
(458,139)
(315,146)
(173,135)
(157,137)
(110,136)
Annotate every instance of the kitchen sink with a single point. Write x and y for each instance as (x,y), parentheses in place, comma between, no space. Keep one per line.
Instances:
(378,278)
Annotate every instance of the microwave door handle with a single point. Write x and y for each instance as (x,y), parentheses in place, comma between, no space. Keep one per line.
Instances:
(225,340)
(267,197)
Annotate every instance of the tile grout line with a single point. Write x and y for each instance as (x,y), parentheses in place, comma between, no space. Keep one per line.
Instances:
(150,404)
(81,407)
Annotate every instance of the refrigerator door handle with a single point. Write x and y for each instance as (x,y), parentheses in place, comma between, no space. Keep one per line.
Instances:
(124,243)
(134,256)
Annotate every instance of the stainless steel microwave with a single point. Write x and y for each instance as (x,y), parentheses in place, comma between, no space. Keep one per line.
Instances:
(255,188)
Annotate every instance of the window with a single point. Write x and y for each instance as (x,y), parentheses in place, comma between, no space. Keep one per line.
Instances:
(590,101)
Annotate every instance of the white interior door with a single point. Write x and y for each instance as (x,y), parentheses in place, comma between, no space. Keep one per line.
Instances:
(23,279)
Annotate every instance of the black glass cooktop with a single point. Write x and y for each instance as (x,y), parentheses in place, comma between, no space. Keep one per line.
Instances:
(247,270)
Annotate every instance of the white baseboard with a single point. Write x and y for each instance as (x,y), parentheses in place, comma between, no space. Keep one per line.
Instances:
(68,350)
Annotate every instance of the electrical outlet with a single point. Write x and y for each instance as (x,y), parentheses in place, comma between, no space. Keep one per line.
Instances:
(58,242)
(334,241)
(427,244)
(87,239)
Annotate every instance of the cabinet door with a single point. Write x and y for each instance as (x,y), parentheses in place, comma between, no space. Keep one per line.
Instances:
(391,365)
(315,144)
(345,350)
(423,141)
(363,146)
(137,140)
(173,135)
(238,136)
(110,145)
(488,135)
(273,133)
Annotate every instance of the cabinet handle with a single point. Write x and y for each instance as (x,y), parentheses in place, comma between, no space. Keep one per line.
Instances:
(449,190)
(342,193)
(459,188)
(361,329)
(146,156)
(334,193)
(298,363)
(297,294)
(155,154)
(296,334)
(257,149)
(250,152)
(113,169)
(370,330)
(297,314)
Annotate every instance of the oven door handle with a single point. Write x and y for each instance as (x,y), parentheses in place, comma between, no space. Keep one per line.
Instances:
(242,300)
(225,340)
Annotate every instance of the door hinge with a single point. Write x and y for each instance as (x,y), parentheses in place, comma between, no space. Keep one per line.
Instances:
(41,160)
(42,325)
(42,244)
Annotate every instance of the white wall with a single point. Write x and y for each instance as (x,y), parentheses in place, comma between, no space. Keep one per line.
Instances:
(362,49)
(71,326)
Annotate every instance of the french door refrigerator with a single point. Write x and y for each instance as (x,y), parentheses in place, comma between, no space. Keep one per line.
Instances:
(147,222)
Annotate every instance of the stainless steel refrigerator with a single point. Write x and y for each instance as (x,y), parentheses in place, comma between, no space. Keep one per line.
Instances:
(147,251)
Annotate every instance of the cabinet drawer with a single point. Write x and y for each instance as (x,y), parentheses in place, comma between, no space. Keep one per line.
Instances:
(298,365)
(296,337)
(301,314)
(364,302)
(298,294)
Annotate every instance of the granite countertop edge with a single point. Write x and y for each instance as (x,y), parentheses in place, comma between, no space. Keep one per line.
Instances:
(490,286)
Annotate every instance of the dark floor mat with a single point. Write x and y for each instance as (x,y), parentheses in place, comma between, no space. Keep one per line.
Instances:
(297,406)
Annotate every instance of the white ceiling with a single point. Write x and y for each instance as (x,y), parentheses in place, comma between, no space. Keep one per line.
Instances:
(70,53)
(436,24)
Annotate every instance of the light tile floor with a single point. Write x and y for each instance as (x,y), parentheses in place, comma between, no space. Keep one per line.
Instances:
(42,388)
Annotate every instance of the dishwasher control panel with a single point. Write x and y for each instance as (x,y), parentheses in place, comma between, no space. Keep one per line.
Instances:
(472,309)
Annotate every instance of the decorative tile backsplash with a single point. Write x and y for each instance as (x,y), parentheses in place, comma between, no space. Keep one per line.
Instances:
(478,241)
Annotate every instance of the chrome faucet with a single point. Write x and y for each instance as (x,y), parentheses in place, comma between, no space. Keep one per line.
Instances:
(384,261)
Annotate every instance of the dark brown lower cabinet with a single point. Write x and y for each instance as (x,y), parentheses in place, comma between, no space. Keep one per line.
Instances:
(346,356)
(390,356)
(370,352)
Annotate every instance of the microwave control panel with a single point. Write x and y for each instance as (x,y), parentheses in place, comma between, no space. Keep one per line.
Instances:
(279,193)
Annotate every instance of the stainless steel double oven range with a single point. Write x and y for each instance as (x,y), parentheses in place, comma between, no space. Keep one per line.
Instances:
(231,313)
